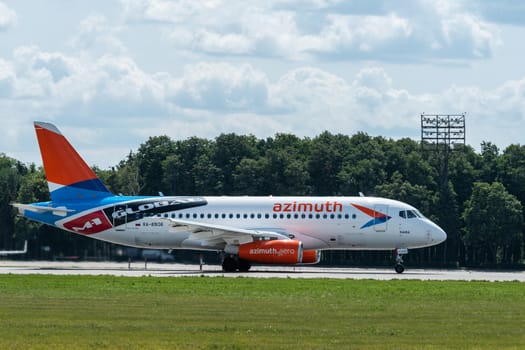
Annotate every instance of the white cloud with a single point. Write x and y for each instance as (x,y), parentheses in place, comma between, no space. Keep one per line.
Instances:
(362,35)
(187,68)
(55,84)
(97,36)
(501,11)
(165,11)
(411,30)
(309,91)
(7,16)
(374,78)
(212,42)
(7,79)
(221,86)
(209,98)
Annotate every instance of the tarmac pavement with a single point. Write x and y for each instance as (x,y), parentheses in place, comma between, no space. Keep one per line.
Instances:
(137,269)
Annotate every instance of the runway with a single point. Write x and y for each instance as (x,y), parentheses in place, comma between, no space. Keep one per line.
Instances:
(138,269)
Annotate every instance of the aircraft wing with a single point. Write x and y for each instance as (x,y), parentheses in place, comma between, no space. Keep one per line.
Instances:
(210,235)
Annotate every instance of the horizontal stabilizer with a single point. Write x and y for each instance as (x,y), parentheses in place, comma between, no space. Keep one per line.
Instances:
(59,211)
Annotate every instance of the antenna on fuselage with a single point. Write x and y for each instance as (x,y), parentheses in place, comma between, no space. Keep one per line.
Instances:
(361,194)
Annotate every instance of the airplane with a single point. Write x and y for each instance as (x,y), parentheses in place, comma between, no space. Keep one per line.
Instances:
(12,252)
(245,229)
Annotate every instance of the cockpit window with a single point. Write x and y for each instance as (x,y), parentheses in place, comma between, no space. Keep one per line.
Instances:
(410,214)
(413,214)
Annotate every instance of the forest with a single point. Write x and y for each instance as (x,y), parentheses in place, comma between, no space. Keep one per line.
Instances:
(476,197)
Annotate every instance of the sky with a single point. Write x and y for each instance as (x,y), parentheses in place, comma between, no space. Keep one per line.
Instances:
(112,73)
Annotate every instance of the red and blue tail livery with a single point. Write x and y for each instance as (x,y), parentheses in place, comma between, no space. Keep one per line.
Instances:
(68,176)
(244,229)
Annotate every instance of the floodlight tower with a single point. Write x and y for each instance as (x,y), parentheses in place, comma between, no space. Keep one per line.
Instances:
(441,134)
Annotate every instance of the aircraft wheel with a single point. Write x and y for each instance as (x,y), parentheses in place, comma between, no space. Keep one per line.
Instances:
(399,268)
(229,264)
(244,266)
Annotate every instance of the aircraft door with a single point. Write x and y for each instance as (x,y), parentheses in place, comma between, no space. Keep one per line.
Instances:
(122,220)
(132,222)
(404,226)
(380,211)
(119,217)
(403,223)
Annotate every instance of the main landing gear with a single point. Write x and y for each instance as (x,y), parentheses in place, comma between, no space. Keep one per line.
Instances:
(232,263)
(399,252)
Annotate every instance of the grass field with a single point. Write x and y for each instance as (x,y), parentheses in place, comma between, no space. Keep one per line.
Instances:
(104,312)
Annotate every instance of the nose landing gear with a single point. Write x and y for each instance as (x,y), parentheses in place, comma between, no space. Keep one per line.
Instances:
(399,252)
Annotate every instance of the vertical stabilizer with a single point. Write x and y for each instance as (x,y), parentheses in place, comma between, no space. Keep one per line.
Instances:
(68,176)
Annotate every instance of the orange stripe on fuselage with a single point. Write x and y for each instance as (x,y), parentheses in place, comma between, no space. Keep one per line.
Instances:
(62,164)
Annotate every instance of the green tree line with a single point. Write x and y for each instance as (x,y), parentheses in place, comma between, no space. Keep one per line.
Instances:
(478,201)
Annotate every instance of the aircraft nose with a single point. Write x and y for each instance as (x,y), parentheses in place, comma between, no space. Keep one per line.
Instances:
(438,235)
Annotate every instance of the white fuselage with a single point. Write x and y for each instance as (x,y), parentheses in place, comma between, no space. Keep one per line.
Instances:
(318,222)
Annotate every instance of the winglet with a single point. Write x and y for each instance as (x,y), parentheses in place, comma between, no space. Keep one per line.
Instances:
(68,175)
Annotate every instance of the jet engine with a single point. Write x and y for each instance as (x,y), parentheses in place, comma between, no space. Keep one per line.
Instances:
(311,257)
(273,252)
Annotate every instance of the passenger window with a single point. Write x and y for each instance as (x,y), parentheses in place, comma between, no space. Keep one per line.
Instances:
(274,216)
(266,216)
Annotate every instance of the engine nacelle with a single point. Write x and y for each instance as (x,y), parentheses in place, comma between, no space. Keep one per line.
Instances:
(272,252)
(311,257)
